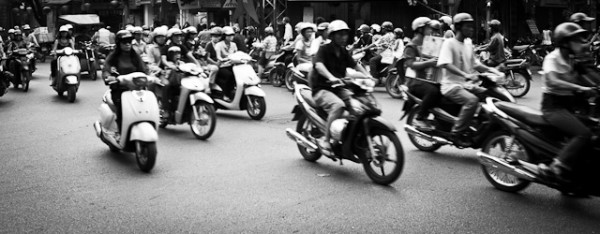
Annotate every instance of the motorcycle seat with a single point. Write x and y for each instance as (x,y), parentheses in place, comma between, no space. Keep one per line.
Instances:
(522,113)
(520,47)
(514,61)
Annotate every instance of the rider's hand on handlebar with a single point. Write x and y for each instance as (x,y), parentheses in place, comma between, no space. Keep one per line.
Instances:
(471,77)
(111,80)
(433,61)
(587,91)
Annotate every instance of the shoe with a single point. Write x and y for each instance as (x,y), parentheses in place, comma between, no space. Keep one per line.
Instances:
(325,147)
(555,172)
(461,138)
(422,124)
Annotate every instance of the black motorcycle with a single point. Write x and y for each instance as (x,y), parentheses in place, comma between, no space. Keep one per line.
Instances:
(443,117)
(88,57)
(522,139)
(362,137)
(518,76)
(21,67)
(5,78)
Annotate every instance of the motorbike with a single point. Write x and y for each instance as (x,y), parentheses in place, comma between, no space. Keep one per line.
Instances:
(139,123)
(68,68)
(517,72)
(248,94)
(444,115)
(89,59)
(103,52)
(5,78)
(522,139)
(276,67)
(528,53)
(194,106)
(21,68)
(362,137)
(297,74)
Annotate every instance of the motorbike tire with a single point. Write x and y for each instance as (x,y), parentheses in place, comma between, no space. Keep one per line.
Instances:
(71,93)
(392,87)
(276,78)
(492,175)
(302,129)
(289,80)
(25,82)
(93,71)
(163,122)
(211,113)
(368,162)
(418,141)
(145,155)
(256,113)
(522,78)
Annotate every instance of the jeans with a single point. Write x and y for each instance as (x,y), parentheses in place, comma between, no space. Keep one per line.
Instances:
(115,95)
(430,95)
(333,104)
(556,110)
(469,102)
(226,79)
(375,66)
(171,90)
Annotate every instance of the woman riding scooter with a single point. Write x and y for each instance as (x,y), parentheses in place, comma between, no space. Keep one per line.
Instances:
(123,60)
(62,41)
(559,100)
(225,76)
(304,47)
(269,48)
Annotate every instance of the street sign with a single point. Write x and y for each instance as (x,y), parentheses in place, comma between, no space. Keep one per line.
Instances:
(532,27)
(230,4)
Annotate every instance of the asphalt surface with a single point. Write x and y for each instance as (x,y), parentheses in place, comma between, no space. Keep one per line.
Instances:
(56,176)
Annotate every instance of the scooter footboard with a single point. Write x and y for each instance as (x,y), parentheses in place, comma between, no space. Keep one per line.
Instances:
(143,131)
(107,117)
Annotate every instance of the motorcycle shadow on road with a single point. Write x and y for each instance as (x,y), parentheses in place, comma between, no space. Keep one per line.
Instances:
(121,163)
(446,157)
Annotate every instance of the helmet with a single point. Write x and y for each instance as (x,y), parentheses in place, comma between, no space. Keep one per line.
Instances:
(579,16)
(136,30)
(26,27)
(337,25)
(298,25)
(123,35)
(69,26)
(228,31)
(435,24)
(398,31)
(376,27)
(305,26)
(323,26)
(269,30)
(364,28)
(420,22)
(173,32)
(11,31)
(16,27)
(160,31)
(63,29)
(191,30)
(387,25)
(463,17)
(495,22)
(216,31)
(236,28)
(566,31)
(174,49)
(145,27)
(18,32)
(446,19)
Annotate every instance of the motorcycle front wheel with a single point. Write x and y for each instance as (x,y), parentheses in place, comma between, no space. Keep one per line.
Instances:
(518,84)
(289,80)
(276,77)
(502,145)
(392,87)
(93,70)
(26,77)
(257,107)
(203,125)
(419,142)
(71,93)
(145,154)
(305,128)
(385,164)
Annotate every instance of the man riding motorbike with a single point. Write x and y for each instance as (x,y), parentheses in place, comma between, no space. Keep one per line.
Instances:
(17,43)
(190,40)
(31,41)
(321,36)
(330,63)
(458,60)
(138,43)
(123,60)
(225,76)
(159,41)
(384,43)
(495,47)
(62,41)
(428,92)
(562,81)
(446,26)
(269,48)
(211,54)
(304,48)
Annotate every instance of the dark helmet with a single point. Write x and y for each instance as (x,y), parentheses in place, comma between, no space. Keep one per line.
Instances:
(565,31)
(388,26)
(495,24)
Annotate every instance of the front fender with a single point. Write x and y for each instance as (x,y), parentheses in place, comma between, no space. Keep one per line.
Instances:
(200,96)
(71,80)
(254,91)
(380,122)
(143,131)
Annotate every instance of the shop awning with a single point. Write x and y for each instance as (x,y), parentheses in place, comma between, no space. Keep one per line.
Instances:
(82,19)
(55,1)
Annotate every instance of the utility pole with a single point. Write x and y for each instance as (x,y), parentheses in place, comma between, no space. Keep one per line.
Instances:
(488,16)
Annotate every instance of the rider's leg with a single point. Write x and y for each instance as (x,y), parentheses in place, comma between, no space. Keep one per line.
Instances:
(469,104)
(53,71)
(115,94)
(334,106)
(374,65)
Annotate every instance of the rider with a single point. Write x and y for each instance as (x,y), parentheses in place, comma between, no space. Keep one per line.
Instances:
(17,43)
(174,78)
(561,82)
(375,31)
(269,46)
(456,57)
(496,46)
(138,43)
(321,36)
(385,42)
(176,39)
(225,76)
(447,26)
(429,92)
(436,28)
(304,47)
(123,60)
(31,41)
(190,41)
(159,39)
(146,34)
(62,41)
(239,39)
(330,63)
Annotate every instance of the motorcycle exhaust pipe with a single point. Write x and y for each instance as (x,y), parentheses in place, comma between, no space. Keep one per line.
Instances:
(438,140)
(499,164)
(301,140)
(97,128)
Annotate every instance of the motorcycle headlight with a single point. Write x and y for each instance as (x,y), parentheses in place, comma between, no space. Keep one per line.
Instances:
(68,51)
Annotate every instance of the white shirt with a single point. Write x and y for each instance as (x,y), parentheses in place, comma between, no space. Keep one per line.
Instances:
(289,32)
(461,56)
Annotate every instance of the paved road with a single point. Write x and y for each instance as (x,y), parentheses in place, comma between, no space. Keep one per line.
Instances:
(56,176)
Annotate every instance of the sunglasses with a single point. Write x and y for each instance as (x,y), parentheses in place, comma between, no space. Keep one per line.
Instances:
(126,41)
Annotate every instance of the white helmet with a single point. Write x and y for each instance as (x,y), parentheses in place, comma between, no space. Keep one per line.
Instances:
(69,26)
(63,28)
(269,30)
(376,27)
(228,31)
(190,29)
(337,25)
(161,31)
(446,19)
(174,31)
(26,27)
(307,26)
(420,22)
(463,17)
(12,31)
(137,30)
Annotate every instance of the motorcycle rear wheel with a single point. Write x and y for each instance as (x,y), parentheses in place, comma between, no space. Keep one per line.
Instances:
(382,158)
(496,145)
(71,93)
(145,155)
(203,128)
(421,143)
(276,78)
(392,87)
(25,82)
(304,127)
(289,80)
(518,85)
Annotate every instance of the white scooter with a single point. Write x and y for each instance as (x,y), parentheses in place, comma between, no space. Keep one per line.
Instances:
(139,121)
(194,106)
(248,94)
(69,69)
